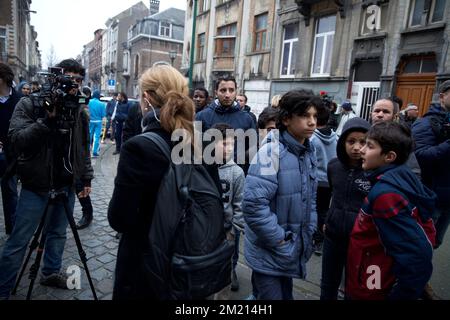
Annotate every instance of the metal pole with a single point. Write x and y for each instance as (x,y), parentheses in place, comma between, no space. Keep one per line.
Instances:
(191,61)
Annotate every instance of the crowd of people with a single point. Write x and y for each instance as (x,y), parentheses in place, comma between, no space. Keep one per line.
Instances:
(371,197)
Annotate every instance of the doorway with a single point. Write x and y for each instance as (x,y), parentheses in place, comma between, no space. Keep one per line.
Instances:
(416,81)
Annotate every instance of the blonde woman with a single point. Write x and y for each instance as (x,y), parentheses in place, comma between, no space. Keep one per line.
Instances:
(275,101)
(166,107)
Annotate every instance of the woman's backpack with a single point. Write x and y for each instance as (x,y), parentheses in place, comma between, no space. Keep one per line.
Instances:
(189,256)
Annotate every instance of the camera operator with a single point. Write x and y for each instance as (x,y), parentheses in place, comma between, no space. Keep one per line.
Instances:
(52,144)
(432,137)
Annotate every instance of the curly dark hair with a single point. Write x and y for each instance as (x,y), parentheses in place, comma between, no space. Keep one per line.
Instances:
(297,102)
(72,65)
(6,74)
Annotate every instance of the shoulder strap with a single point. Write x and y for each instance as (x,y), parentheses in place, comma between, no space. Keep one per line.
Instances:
(160,143)
(182,172)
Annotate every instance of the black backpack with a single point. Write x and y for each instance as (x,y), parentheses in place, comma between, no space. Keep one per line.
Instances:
(189,256)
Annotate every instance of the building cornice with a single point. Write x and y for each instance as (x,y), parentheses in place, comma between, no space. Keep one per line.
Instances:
(142,35)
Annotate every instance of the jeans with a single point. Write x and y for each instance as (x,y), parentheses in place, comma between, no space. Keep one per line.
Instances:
(109,124)
(236,248)
(272,287)
(30,210)
(118,129)
(9,195)
(95,130)
(441,218)
(86,204)
(323,205)
(334,259)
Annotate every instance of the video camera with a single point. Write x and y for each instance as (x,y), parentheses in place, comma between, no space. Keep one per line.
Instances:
(60,92)
(57,91)
(327,99)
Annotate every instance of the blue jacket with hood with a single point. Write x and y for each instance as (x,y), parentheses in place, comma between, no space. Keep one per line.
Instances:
(280,204)
(97,109)
(433,154)
(394,232)
(233,116)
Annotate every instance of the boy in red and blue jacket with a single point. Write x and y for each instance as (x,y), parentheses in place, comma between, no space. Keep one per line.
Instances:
(391,244)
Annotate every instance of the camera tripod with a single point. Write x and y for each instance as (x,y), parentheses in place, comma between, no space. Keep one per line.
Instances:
(41,232)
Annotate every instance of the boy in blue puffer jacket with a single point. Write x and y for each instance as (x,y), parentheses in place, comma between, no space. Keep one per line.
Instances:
(279,199)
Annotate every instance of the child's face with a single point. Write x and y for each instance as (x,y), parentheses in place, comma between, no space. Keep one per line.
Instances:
(372,157)
(225,148)
(270,125)
(302,127)
(353,144)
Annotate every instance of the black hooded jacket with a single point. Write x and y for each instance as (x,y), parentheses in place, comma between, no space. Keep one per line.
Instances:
(140,171)
(348,184)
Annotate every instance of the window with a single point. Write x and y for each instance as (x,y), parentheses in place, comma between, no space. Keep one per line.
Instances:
(164,29)
(323,46)
(259,42)
(424,12)
(225,40)
(203,6)
(136,67)
(219,2)
(2,42)
(201,47)
(126,62)
(421,64)
(289,50)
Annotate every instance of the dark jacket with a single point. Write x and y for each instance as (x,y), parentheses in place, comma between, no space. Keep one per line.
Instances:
(232,116)
(133,123)
(122,111)
(394,233)
(110,107)
(348,184)
(6,112)
(433,153)
(141,169)
(249,111)
(31,136)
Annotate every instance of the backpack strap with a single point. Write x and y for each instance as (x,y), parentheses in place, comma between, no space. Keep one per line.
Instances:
(160,143)
(182,172)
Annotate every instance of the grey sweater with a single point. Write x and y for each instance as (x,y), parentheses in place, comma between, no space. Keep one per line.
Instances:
(232,179)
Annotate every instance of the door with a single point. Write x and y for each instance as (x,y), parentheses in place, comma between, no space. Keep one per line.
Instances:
(416,90)
(364,95)
(416,82)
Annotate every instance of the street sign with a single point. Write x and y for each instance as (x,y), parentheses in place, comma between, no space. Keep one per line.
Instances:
(112,85)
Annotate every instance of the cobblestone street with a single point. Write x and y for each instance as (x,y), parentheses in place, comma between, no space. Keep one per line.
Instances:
(100,244)
(98,241)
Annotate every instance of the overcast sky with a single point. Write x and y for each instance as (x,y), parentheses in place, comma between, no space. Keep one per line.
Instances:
(68,25)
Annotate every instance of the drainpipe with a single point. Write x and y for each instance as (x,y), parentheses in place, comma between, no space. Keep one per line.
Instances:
(191,60)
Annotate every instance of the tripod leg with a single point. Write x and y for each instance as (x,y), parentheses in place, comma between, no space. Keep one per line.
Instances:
(81,252)
(35,267)
(34,244)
